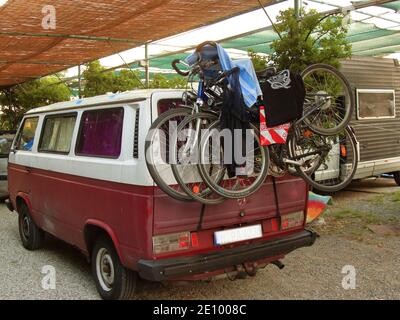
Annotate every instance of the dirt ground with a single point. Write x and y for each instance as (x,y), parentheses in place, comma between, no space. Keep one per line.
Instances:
(309,273)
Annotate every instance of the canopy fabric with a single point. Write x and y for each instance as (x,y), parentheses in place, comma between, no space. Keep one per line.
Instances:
(374,31)
(90,29)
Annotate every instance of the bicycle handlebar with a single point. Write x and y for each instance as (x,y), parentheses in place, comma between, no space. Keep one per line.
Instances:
(224,75)
(179,71)
(202,45)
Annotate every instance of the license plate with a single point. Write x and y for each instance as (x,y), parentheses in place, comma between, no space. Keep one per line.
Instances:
(237,235)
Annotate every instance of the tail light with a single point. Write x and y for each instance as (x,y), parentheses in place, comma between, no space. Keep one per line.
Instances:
(343,151)
(171,242)
(292,220)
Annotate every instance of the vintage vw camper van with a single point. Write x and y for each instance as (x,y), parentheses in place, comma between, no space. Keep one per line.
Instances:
(77,171)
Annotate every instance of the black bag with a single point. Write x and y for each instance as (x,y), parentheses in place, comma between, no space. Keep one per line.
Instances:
(284,96)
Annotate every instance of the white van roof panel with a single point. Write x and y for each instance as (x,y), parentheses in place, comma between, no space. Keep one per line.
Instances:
(103,99)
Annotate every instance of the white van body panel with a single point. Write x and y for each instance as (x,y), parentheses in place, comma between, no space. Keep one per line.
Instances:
(125,169)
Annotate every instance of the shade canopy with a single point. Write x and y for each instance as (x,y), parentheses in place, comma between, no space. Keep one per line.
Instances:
(373,31)
(86,30)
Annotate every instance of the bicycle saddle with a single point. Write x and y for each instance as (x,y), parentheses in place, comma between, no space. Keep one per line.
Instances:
(266,73)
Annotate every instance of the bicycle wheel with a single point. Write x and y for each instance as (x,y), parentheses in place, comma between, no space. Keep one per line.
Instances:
(249,176)
(276,167)
(157,152)
(329,101)
(327,163)
(186,151)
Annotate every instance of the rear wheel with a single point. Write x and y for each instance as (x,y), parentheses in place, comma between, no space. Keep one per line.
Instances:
(327,163)
(113,280)
(248,177)
(396,176)
(31,235)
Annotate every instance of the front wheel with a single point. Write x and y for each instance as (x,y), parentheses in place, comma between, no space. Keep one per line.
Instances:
(113,280)
(31,235)
(329,101)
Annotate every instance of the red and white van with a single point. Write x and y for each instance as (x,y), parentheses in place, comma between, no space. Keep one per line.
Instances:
(77,171)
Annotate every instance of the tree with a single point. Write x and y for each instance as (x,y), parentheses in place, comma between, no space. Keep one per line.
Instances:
(17,100)
(260,62)
(162,82)
(126,80)
(313,39)
(99,81)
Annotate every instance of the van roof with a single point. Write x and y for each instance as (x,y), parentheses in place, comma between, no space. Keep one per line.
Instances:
(103,99)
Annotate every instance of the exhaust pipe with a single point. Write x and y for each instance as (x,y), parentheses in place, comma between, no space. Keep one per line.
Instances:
(251,269)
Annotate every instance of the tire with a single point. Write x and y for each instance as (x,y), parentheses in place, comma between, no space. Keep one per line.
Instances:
(205,195)
(154,169)
(122,283)
(349,109)
(309,176)
(32,237)
(215,186)
(396,176)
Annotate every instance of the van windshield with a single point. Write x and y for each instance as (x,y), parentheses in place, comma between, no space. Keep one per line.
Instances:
(27,134)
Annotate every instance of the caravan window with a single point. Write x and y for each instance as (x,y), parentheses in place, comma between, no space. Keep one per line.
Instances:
(373,104)
(57,133)
(100,133)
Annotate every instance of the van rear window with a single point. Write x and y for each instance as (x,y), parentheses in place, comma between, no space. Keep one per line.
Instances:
(57,133)
(166,104)
(100,133)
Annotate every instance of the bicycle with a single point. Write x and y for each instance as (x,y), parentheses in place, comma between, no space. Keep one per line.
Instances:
(327,110)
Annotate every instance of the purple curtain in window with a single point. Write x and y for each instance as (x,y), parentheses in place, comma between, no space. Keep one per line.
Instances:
(101,133)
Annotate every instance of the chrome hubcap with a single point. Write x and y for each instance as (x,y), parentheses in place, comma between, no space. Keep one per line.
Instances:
(25,226)
(105,269)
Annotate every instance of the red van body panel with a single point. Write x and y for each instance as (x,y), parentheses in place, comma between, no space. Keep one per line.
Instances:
(63,205)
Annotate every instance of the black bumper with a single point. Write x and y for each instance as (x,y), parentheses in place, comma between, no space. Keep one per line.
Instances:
(167,269)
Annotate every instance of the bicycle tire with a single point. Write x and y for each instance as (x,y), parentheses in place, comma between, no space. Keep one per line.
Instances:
(308,177)
(202,196)
(154,169)
(348,108)
(230,194)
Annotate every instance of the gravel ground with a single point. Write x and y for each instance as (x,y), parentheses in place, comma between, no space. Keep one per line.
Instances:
(310,273)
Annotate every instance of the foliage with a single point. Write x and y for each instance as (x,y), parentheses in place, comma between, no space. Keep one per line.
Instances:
(313,39)
(21,98)
(260,62)
(100,81)
(160,81)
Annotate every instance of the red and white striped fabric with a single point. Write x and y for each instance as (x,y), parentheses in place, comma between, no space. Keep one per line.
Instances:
(274,135)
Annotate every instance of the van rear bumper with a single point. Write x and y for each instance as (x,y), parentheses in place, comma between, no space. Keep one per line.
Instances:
(168,269)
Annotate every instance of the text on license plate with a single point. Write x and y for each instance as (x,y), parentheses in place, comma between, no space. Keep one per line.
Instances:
(236,235)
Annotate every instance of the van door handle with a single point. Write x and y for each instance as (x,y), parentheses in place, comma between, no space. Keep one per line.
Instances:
(28,169)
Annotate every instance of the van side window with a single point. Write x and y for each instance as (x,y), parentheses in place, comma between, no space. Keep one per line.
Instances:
(26,136)
(100,133)
(57,133)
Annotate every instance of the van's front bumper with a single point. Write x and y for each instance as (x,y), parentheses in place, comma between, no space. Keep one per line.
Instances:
(172,268)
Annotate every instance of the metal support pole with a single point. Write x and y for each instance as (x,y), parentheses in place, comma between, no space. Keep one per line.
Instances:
(79,82)
(147,66)
(298,5)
